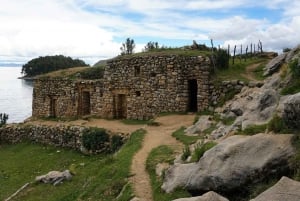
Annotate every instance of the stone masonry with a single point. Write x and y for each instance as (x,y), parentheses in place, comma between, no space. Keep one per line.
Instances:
(136,87)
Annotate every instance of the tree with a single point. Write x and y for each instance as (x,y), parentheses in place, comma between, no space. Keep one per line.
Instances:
(151,46)
(127,47)
(47,64)
(3,119)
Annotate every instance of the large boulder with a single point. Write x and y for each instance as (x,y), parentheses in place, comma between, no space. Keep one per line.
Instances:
(274,65)
(285,189)
(291,111)
(253,106)
(234,162)
(209,196)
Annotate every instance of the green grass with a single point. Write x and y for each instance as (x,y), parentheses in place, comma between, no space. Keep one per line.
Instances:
(185,139)
(292,88)
(200,149)
(294,85)
(253,129)
(235,71)
(98,177)
(168,51)
(162,154)
(259,71)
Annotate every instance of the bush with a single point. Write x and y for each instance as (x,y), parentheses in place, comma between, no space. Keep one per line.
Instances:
(222,59)
(3,119)
(93,73)
(95,139)
(116,142)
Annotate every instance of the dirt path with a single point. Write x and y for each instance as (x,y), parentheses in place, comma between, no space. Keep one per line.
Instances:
(250,72)
(156,136)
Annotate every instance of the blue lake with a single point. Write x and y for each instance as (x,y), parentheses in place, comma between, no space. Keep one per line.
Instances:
(15,95)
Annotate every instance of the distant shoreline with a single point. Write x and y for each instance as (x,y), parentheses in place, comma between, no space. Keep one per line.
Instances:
(26,78)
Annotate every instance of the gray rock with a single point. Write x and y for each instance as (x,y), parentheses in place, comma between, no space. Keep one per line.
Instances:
(253,105)
(202,124)
(294,53)
(285,189)
(209,196)
(274,65)
(54,177)
(291,111)
(232,163)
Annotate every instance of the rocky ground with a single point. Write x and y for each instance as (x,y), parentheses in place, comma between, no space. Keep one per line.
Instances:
(239,161)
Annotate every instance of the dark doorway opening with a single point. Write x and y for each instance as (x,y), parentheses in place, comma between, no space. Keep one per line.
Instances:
(120,106)
(193,89)
(52,112)
(86,103)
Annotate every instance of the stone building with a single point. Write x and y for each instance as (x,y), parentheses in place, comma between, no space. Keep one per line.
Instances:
(135,87)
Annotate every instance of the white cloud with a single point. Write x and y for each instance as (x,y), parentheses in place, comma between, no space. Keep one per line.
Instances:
(88,28)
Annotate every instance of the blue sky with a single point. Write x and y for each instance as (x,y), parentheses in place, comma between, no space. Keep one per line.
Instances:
(94,29)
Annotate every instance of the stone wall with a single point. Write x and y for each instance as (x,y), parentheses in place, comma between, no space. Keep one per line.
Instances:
(65,98)
(155,84)
(136,87)
(60,136)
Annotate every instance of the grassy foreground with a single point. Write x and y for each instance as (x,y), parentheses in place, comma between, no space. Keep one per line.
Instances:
(97,177)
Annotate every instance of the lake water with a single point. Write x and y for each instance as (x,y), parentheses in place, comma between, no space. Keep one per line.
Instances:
(15,95)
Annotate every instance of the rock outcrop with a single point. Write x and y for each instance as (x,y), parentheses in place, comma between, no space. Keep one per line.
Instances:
(291,111)
(202,124)
(285,189)
(209,196)
(234,162)
(274,65)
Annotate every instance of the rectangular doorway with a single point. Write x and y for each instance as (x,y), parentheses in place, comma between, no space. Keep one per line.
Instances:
(52,112)
(120,106)
(86,103)
(192,90)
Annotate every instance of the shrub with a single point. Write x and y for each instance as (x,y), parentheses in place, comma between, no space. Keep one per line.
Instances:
(222,59)
(95,139)
(93,73)
(3,119)
(116,142)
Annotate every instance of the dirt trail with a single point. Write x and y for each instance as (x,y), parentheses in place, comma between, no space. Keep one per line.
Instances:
(156,136)
(250,72)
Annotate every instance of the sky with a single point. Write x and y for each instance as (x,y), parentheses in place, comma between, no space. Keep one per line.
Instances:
(92,30)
